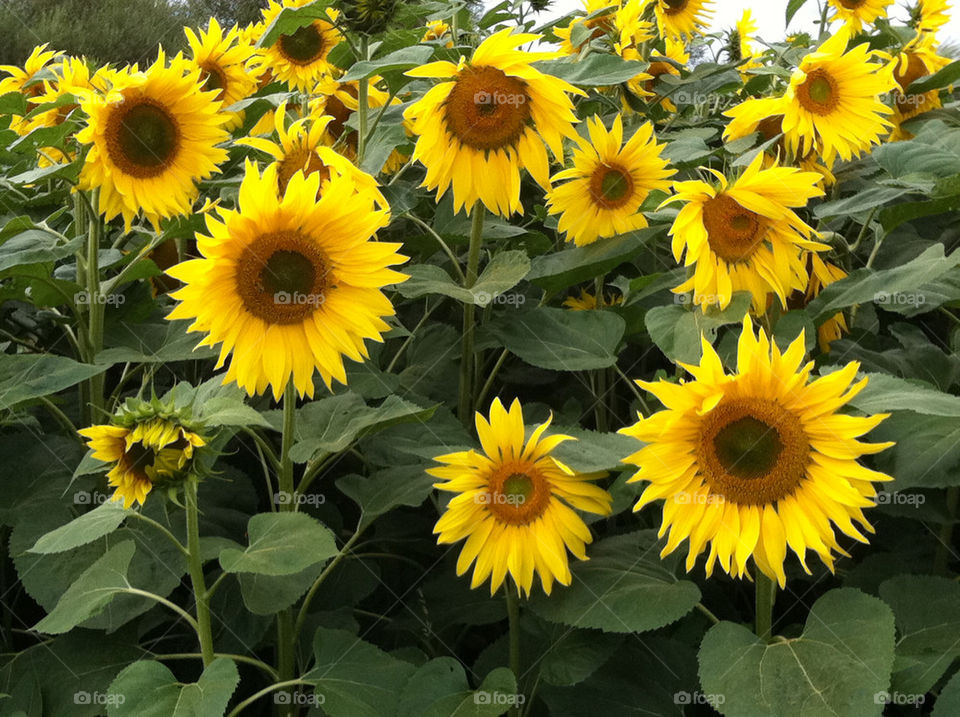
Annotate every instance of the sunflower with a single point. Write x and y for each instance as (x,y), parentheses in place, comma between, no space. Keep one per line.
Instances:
(930,15)
(757,461)
(745,52)
(221,60)
(289,283)
(857,13)
(150,452)
(153,136)
(678,19)
(439,31)
(597,26)
(631,28)
(744,236)
(299,59)
(27,80)
(301,149)
(609,182)
(834,98)
(668,62)
(918,59)
(588,302)
(490,117)
(822,274)
(514,504)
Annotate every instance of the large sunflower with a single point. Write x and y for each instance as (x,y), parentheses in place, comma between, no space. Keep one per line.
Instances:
(299,59)
(609,182)
(514,504)
(834,98)
(744,235)
(290,283)
(144,454)
(678,19)
(221,60)
(757,461)
(490,117)
(27,80)
(153,136)
(857,13)
(918,59)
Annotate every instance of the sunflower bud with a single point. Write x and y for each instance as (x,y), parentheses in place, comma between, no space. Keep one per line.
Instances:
(368,16)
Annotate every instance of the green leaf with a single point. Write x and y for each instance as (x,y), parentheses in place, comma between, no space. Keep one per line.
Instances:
(402,59)
(269,594)
(885,393)
(676,329)
(355,678)
(624,587)
(497,692)
(944,77)
(595,71)
(92,591)
(503,272)
(28,376)
(100,521)
(292,19)
(386,490)
(439,689)
(948,703)
(577,655)
(562,269)
(149,689)
(792,8)
(562,340)
(331,425)
(161,342)
(34,246)
(927,611)
(836,667)
(862,201)
(13,103)
(593,451)
(280,544)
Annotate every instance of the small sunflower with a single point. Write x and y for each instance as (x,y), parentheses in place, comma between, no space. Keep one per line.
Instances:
(367,16)
(930,15)
(145,453)
(588,302)
(289,284)
(857,13)
(680,19)
(299,59)
(745,51)
(668,62)
(918,59)
(438,30)
(221,60)
(608,182)
(301,149)
(631,28)
(27,80)
(154,135)
(744,235)
(757,461)
(514,504)
(834,98)
(822,274)
(598,25)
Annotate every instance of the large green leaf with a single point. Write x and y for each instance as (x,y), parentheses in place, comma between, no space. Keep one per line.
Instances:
(836,667)
(594,71)
(34,247)
(149,689)
(439,689)
(100,521)
(27,376)
(503,272)
(888,393)
(676,328)
(386,490)
(948,703)
(624,587)
(280,544)
(289,20)
(160,342)
(402,59)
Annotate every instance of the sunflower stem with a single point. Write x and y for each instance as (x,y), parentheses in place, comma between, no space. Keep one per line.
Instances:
(766,594)
(512,591)
(195,562)
(286,636)
(95,307)
(465,409)
(363,87)
(941,560)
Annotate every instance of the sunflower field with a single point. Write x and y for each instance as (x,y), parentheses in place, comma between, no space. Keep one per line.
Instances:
(436,359)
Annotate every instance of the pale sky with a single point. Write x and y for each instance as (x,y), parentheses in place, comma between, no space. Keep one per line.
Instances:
(769,16)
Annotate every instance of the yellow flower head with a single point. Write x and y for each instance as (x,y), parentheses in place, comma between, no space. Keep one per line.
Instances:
(681,19)
(857,13)
(514,504)
(631,28)
(918,59)
(744,235)
(290,284)
(489,118)
(822,274)
(931,15)
(438,30)
(599,25)
(26,79)
(588,302)
(756,461)
(154,135)
(146,453)
(608,182)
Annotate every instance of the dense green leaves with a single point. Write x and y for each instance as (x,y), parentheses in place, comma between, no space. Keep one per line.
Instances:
(28,376)
(149,689)
(100,521)
(280,544)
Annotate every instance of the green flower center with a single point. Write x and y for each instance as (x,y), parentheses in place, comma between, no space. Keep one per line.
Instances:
(303,46)
(518,488)
(748,448)
(288,271)
(142,140)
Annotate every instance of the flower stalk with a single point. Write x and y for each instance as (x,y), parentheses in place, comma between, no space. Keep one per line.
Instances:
(465,407)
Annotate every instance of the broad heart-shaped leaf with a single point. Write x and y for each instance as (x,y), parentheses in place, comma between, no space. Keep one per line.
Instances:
(933,153)
(676,329)
(153,342)
(576,655)
(269,594)
(331,425)
(890,288)
(27,376)
(623,587)
(100,521)
(280,544)
(948,703)
(292,19)
(888,393)
(926,454)
(149,689)
(33,247)
(89,595)
(836,667)
(355,678)
(561,340)
(503,272)
(562,269)
(387,489)
(402,59)
(594,71)
(593,451)
(927,611)
(439,689)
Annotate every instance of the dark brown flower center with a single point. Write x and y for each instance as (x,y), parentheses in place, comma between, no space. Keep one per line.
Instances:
(143,138)
(487,109)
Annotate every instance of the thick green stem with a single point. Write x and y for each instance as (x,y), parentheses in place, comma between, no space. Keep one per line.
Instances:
(196,572)
(465,408)
(95,304)
(286,637)
(766,594)
(513,619)
(941,560)
(363,87)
